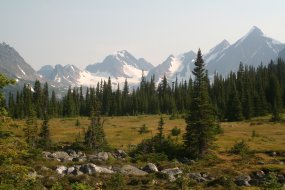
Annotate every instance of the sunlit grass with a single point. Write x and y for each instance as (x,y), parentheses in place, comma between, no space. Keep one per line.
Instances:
(122,131)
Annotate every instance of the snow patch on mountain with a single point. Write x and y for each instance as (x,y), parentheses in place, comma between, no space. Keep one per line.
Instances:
(21,70)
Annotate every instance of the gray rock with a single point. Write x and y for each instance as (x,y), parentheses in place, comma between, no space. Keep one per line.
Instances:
(243,180)
(131,170)
(43,168)
(61,155)
(272,153)
(72,153)
(172,173)
(46,154)
(61,170)
(70,170)
(199,177)
(260,174)
(92,168)
(260,163)
(77,172)
(78,159)
(81,154)
(150,168)
(121,154)
(102,156)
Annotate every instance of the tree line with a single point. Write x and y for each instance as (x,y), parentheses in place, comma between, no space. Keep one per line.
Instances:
(247,93)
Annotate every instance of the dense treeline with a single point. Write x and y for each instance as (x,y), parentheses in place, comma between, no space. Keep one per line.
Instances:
(247,93)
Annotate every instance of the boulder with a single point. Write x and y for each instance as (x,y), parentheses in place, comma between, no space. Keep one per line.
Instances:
(150,168)
(61,155)
(121,154)
(199,177)
(72,153)
(43,168)
(78,159)
(131,170)
(70,170)
(92,168)
(74,170)
(272,153)
(243,180)
(102,156)
(46,154)
(61,170)
(172,173)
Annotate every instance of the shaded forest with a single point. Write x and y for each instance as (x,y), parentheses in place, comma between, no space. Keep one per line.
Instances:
(249,92)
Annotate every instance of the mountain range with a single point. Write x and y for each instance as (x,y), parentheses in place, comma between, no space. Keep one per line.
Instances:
(253,49)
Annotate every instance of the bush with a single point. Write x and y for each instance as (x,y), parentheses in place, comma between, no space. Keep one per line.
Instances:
(156,145)
(81,186)
(151,157)
(218,129)
(57,186)
(175,131)
(240,148)
(143,129)
(117,182)
(224,181)
(77,123)
(271,182)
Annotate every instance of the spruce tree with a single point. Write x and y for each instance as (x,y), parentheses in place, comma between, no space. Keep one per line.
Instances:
(44,136)
(4,81)
(31,129)
(95,136)
(160,130)
(200,121)
(275,98)
(234,110)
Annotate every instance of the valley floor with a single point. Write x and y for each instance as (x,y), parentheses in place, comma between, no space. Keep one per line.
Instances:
(264,138)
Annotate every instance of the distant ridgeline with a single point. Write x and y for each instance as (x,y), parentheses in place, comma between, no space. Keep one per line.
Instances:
(247,93)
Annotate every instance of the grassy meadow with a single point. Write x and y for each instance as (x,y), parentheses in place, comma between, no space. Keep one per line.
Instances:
(122,131)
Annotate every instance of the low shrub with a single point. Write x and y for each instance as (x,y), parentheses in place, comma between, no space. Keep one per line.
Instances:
(240,148)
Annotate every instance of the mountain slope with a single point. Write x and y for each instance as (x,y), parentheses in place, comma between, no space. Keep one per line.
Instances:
(65,75)
(216,51)
(174,66)
(282,54)
(252,49)
(121,64)
(13,65)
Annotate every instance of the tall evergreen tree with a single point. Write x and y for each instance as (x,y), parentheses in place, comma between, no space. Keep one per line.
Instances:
(160,129)
(95,136)
(31,129)
(201,119)
(234,109)
(44,136)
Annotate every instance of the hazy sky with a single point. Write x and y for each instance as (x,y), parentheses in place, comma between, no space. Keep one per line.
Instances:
(83,32)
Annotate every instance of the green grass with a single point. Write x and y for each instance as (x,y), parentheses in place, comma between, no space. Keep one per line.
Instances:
(122,131)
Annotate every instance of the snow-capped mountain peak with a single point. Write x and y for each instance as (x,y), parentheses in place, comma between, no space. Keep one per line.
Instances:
(174,67)
(120,64)
(216,51)
(252,49)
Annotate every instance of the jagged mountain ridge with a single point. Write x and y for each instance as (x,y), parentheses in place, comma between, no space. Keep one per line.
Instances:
(13,65)
(251,49)
(121,64)
(174,67)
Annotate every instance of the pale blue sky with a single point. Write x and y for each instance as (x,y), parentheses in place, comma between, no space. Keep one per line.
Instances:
(83,32)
